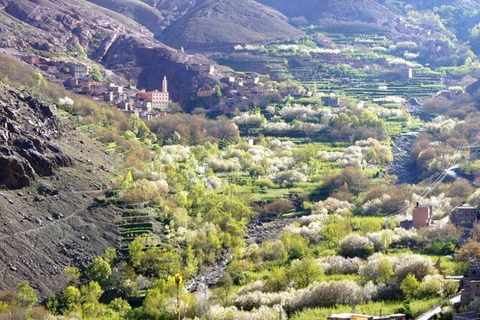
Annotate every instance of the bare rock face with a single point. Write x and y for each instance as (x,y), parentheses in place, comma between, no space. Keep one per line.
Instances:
(218,25)
(28,130)
(50,178)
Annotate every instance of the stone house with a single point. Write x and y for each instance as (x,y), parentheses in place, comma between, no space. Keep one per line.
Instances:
(465,215)
(79,70)
(330,101)
(474,153)
(471,284)
(421,216)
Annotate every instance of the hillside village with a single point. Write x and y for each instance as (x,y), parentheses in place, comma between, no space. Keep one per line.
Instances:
(290,206)
(237,92)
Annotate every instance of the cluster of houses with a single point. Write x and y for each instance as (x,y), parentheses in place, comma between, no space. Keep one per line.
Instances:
(465,215)
(239,93)
(77,77)
(234,93)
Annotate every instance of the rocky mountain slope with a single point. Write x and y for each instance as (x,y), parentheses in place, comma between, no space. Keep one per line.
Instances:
(50,176)
(323,11)
(202,24)
(66,29)
(224,23)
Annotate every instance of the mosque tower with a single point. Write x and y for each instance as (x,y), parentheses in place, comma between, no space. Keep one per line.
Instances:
(164,84)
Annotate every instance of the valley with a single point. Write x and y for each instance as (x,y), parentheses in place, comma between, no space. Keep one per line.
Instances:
(296,163)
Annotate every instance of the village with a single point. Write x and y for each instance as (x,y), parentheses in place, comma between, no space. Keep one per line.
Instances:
(235,92)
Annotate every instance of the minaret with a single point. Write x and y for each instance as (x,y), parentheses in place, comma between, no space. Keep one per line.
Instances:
(164,84)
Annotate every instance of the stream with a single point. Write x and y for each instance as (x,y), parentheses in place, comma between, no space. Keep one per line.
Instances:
(402,166)
(258,232)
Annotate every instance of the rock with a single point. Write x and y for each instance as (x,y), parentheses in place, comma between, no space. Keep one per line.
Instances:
(16,172)
(47,189)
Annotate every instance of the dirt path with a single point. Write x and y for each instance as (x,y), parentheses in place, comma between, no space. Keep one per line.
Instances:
(62,220)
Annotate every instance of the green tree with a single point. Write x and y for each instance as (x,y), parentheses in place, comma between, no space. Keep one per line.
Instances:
(70,299)
(218,92)
(25,294)
(384,271)
(95,74)
(336,229)
(99,270)
(39,83)
(409,286)
(295,245)
(91,292)
(72,274)
(110,255)
(305,271)
(120,306)
(277,281)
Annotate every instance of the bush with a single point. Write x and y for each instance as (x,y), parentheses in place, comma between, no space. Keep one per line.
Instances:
(356,246)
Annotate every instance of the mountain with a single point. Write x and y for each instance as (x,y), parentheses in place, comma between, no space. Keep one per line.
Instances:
(51,175)
(224,23)
(323,11)
(206,25)
(77,29)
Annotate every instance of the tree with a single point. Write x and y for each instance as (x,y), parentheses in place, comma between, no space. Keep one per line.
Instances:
(96,75)
(380,271)
(39,83)
(72,274)
(70,298)
(430,286)
(99,270)
(305,271)
(218,92)
(120,306)
(277,281)
(336,229)
(460,188)
(296,245)
(110,255)
(135,250)
(25,294)
(356,246)
(91,292)
(409,286)
(355,179)
(384,271)
(412,264)
(468,252)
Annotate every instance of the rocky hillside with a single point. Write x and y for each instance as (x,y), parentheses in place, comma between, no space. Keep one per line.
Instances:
(324,11)
(224,23)
(66,29)
(50,177)
(26,138)
(206,25)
